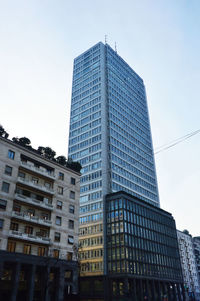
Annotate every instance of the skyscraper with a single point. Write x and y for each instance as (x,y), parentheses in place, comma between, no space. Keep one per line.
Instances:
(110,136)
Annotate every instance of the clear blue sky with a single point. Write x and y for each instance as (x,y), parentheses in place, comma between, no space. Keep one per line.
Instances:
(159,39)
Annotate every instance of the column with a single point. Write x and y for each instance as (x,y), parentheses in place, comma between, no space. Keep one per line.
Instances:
(169,291)
(1,268)
(15,281)
(159,291)
(134,290)
(60,284)
(153,292)
(31,282)
(46,284)
(174,292)
(179,293)
(141,290)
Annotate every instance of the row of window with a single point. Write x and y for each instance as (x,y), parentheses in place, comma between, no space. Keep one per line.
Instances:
(85,120)
(83,81)
(91,207)
(85,128)
(91,218)
(91,196)
(85,143)
(89,158)
(91,229)
(86,135)
(92,241)
(77,90)
(41,251)
(87,151)
(86,113)
(94,185)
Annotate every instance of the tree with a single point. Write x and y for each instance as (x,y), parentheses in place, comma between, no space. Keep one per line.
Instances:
(24,141)
(47,152)
(61,160)
(74,165)
(3,133)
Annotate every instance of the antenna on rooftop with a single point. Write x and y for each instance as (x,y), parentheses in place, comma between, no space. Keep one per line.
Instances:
(106,39)
(115,47)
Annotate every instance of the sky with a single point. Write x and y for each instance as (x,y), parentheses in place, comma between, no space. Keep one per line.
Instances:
(159,39)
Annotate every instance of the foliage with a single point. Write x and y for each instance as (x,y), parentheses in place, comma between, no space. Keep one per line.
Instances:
(61,160)
(3,133)
(47,152)
(23,141)
(76,166)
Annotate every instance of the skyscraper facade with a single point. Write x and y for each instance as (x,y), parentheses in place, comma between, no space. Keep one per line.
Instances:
(110,136)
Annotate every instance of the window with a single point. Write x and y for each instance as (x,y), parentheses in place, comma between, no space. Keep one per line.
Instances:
(27,249)
(61,176)
(59,205)
(41,251)
(16,207)
(72,195)
(5,187)
(70,239)
(71,224)
(14,226)
(57,237)
(35,180)
(11,154)
(71,209)
(11,246)
(58,220)
(28,230)
(1,223)
(47,185)
(60,190)
(8,170)
(73,181)
(21,175)
(69,255)
(31,212)
(3,204)
(56,253)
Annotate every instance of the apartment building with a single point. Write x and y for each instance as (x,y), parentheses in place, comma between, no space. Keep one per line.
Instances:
(189,266)
(39,209)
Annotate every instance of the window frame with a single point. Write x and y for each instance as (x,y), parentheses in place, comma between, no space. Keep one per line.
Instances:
(6,172)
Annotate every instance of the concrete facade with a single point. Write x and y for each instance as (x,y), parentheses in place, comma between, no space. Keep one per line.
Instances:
(39,210)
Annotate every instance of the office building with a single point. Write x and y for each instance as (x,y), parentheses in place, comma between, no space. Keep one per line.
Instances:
(196,245)
(39,209)
(110,136)
(141,254)
(189,266)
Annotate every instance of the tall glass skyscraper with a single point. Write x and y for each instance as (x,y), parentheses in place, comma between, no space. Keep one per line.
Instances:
(110,136)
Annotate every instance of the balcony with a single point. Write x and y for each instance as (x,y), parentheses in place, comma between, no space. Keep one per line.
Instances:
(33,219)
(39,170)
(33,201)
(29,237)
(35,185)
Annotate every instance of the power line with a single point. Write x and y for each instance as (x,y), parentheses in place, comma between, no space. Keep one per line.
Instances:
(160,149)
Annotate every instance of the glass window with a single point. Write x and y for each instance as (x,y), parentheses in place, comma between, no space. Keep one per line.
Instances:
(3,204)
(58,220)
(61,176)
(1,223)
(71,224)
(11,246)
(41,251)
(28,230)
(73,181)
(16,207)
(21,175)
(69,255)
(59,205)
(72,195)
(11,154)
(56,253)
(70,239)
(8,170)
(71,209)
(14,226)
(27,249)
(60,190)
(57,236)
(5,187)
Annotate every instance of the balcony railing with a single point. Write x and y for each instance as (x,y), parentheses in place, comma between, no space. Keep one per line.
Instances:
(31,218)
(33,201)
(35,185)
(29,237)
(40,170)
